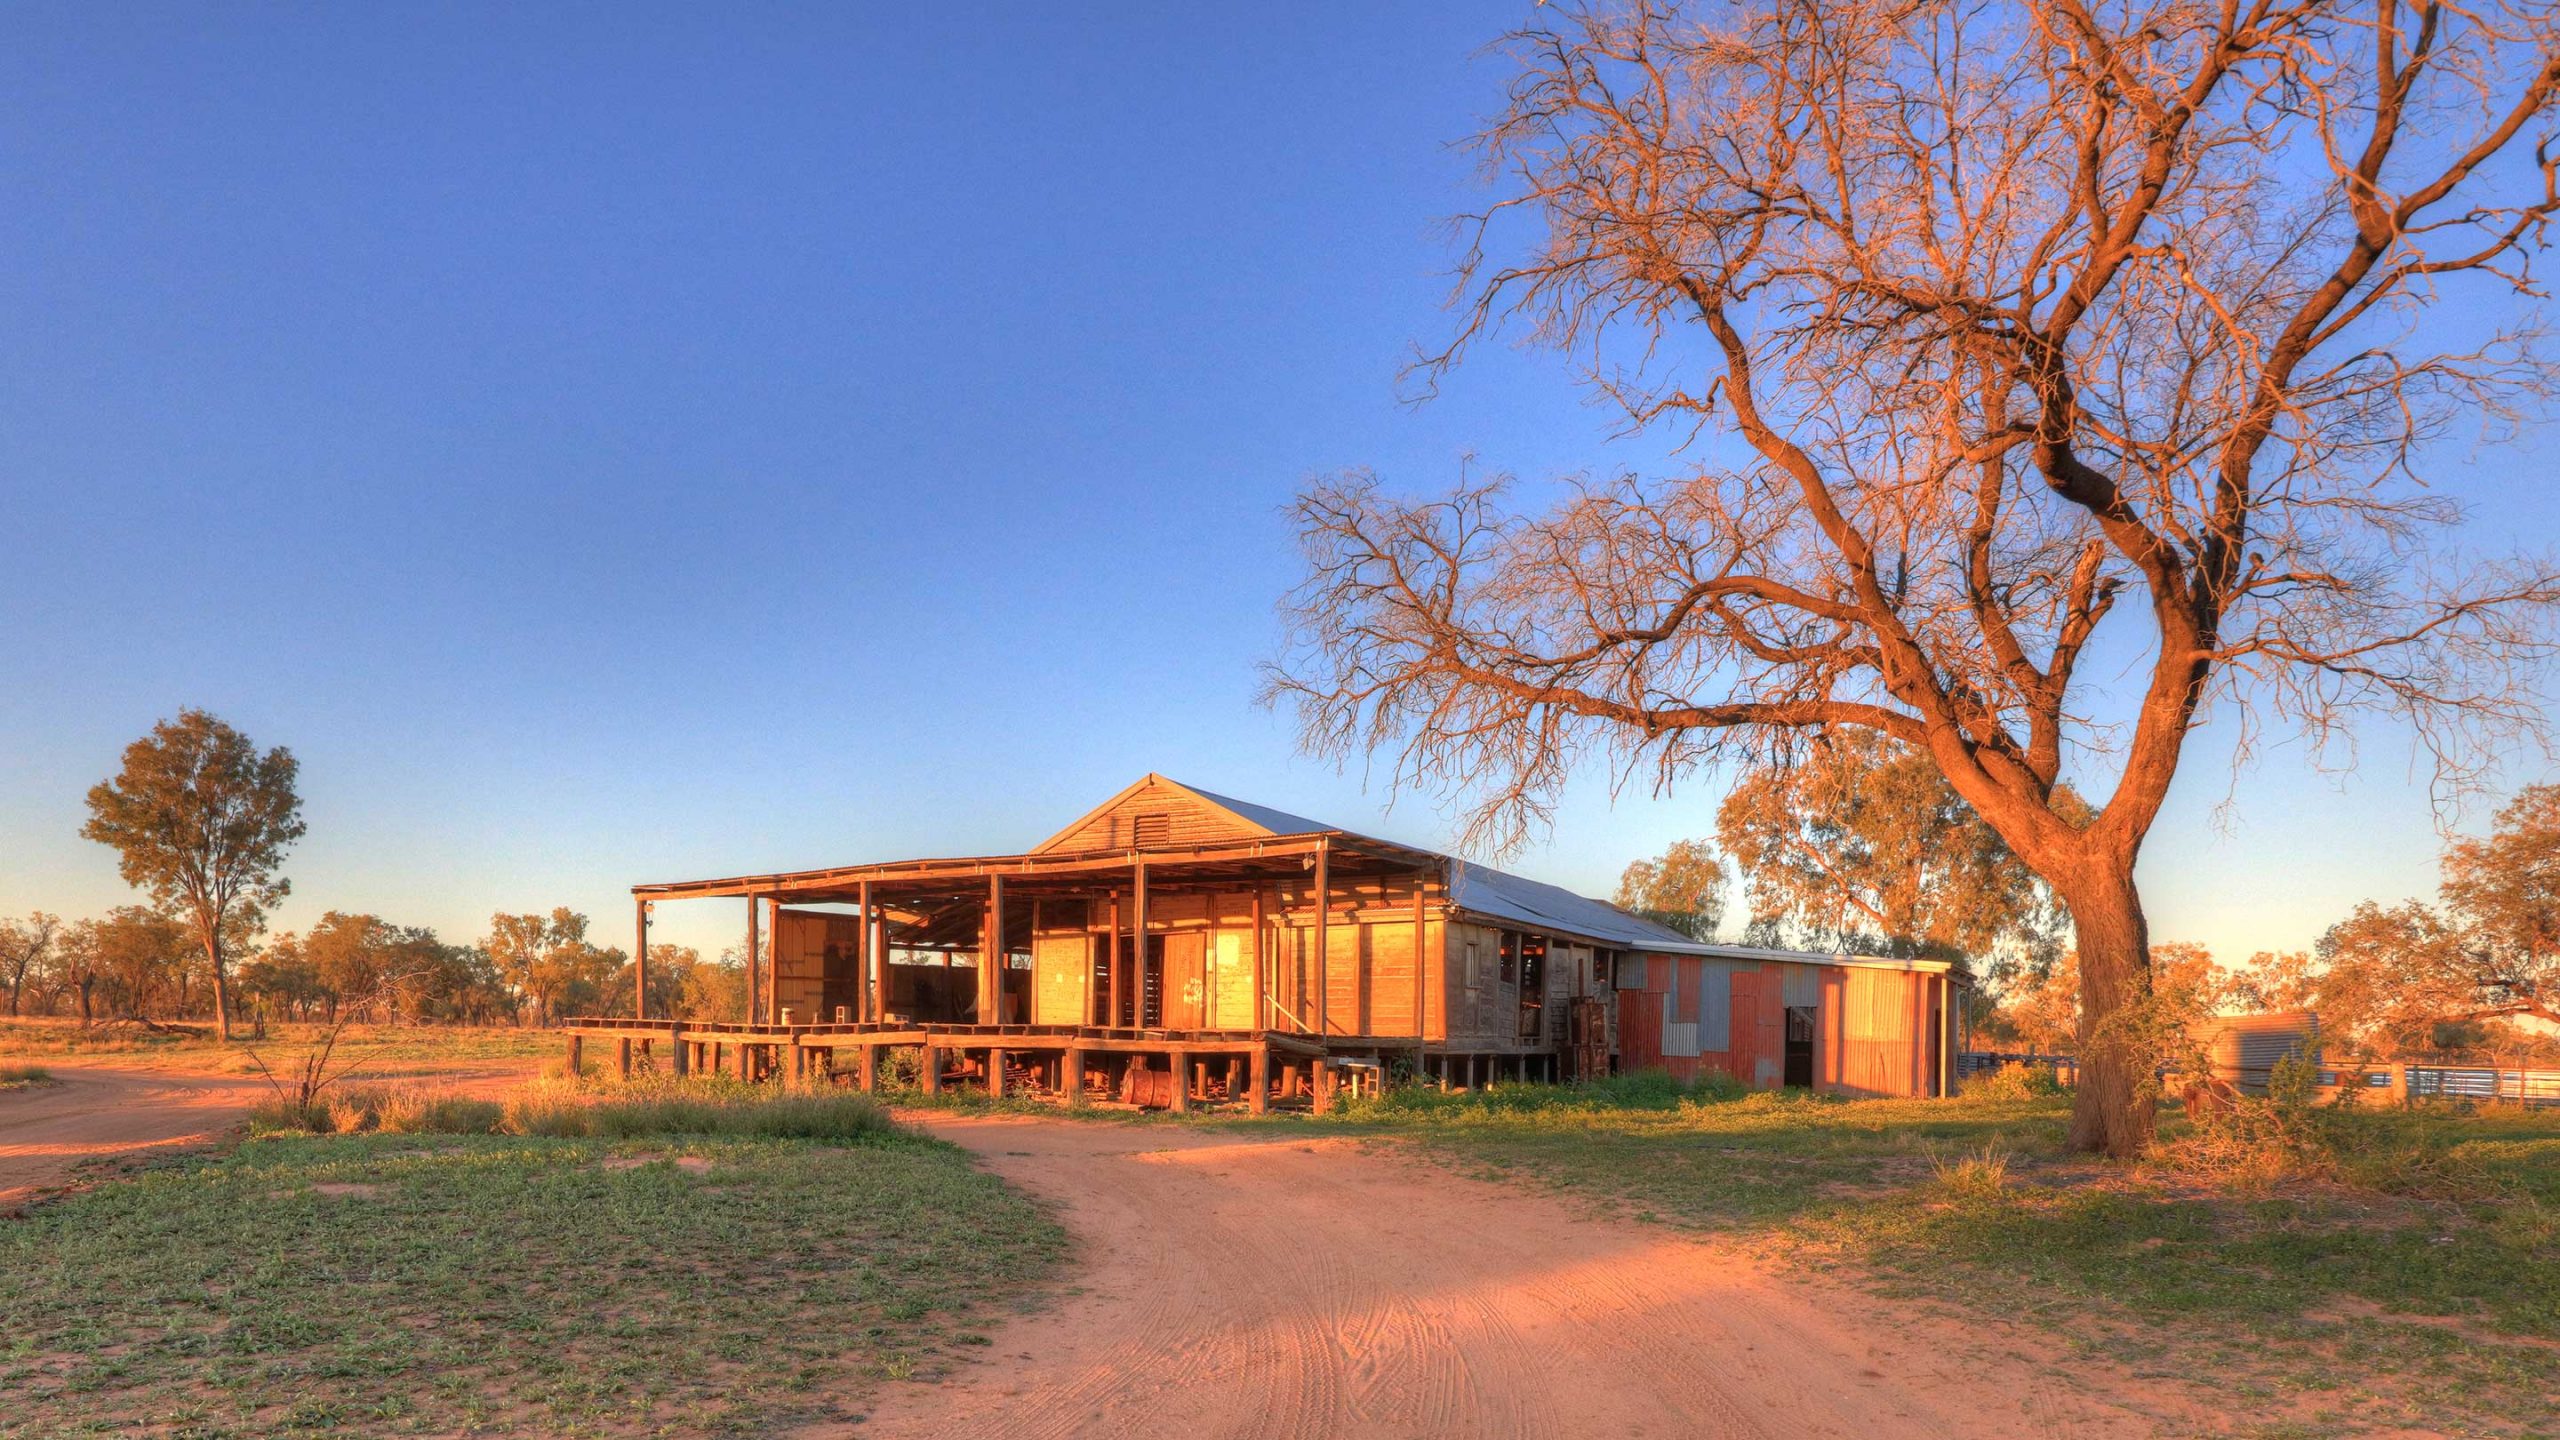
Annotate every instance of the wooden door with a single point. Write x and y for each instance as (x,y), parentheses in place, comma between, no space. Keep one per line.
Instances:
(1185,980)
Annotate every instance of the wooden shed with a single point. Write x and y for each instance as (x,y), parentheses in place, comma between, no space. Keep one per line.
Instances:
(1246,951)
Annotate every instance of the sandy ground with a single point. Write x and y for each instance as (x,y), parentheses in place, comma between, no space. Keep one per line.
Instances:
(99,1112)
(1288,1287)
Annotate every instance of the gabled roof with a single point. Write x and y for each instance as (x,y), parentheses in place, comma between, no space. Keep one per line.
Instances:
(1278,822)
(1245,817)
(1488,893)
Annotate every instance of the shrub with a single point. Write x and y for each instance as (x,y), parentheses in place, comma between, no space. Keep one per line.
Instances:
(392,1109)
(2016,1081)
(1978,1177)
(2259,1139)
(707,1108)
(23,1074)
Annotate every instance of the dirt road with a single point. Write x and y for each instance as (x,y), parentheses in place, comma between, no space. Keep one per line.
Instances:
(88,1113)
(93,1112)
(1278,1287)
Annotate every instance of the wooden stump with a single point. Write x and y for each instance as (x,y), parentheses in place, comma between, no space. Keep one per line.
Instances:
(866,1069)
(1180,1065)
(932,1070)
(1258,1093)
(1071,1078)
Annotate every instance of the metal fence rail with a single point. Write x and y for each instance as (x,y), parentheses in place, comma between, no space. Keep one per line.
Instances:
(2487,1084)
(2469,1082)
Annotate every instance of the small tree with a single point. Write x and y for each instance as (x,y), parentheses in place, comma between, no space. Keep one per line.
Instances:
(548,960)
(26,946)
(1683,889)
(2506,888)
(1863,845)
(201,821)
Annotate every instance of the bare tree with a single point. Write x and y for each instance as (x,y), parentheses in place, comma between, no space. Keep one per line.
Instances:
(2007,336)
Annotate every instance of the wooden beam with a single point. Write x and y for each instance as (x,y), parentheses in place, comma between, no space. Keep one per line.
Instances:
(773,960)
(931,1070)
(995,1073)
(866,1069)
(1071,1076)
(1181,1078)
(1324,959)
(1138,930)
(1261,997)
(1258,1097)
(640,962)
(991,957)
(754,964)
(1111,964)
(1421,1025)
(862,954)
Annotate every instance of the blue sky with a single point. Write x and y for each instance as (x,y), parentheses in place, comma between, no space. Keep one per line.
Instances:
(624,443)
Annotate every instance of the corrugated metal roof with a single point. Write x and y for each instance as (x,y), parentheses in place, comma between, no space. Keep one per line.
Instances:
(1278,822)
(1502,896)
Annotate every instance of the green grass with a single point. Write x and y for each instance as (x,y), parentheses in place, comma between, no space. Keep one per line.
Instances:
(13,1076)
(382,1049)
(2417,1284)
(730,1283)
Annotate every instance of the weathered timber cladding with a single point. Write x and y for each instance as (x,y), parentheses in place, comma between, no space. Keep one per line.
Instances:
(811,947)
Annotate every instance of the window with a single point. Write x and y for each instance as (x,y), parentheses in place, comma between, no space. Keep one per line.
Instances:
(1510,957)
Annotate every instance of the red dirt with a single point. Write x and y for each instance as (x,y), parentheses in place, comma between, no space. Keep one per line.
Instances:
(1284,1287)
(91,1113)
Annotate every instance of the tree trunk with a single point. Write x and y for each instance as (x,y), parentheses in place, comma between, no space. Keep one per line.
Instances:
(2114,1106)
(221,982)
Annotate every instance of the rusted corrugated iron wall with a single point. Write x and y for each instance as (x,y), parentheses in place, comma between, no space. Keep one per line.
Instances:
(1690,1014)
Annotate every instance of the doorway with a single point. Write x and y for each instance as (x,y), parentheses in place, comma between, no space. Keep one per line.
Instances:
(1800,1046)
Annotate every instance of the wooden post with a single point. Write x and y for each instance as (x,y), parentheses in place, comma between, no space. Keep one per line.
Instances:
(1138,942)
(866,1070)
(991,957)
(622,1056)
(880,987)
(932,1070)
(1261,998)
(773,960)
(640,962)
(577,1054)
(1258,1098)
(677,1045)
(862,1001)
(1071,1077)
(1324,1088)
(755,1011)
(1324,913)
(1111,963)
(1181,1086)
(995,1073)
(1421,1029)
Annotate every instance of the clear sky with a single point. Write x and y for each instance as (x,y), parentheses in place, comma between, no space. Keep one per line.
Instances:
(627,443)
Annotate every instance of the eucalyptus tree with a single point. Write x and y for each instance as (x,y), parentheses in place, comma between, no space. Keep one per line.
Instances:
(1999,336)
